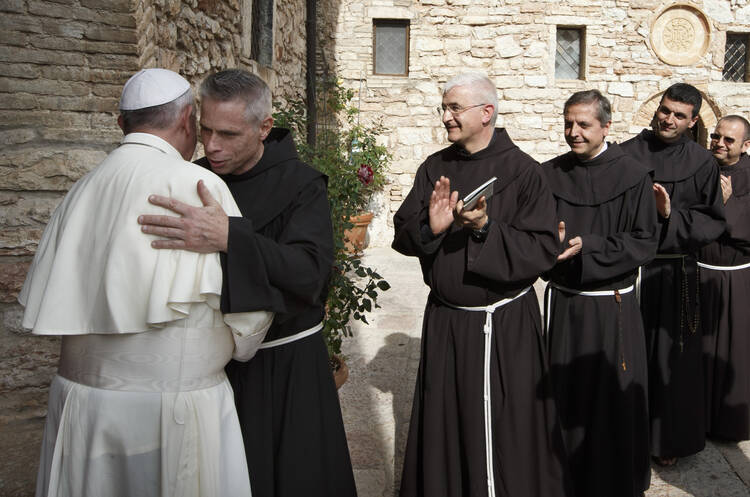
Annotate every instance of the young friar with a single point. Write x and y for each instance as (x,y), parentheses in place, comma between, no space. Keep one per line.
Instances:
(691,215)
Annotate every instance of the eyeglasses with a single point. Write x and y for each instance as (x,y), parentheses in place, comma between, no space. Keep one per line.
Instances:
(454,109)
(717,137)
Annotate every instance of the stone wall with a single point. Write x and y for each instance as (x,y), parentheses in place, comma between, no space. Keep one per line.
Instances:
(63,66)
(513,42)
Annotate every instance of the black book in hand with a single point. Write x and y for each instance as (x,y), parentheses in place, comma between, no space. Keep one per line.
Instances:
(483,190)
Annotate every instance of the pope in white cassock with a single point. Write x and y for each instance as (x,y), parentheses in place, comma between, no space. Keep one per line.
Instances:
(140,405)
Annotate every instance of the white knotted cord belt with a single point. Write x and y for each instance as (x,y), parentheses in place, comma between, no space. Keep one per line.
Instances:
(573,291)
(723,268)
(293,338)
(487,330)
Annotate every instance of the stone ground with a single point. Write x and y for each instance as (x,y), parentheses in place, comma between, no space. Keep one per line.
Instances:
(376,401)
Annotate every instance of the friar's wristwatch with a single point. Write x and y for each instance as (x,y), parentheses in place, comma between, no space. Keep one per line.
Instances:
(480,235)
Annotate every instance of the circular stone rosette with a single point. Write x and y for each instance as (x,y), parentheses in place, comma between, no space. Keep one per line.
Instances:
(680,35)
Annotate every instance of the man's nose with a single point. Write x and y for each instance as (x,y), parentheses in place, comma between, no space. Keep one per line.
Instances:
(210,143)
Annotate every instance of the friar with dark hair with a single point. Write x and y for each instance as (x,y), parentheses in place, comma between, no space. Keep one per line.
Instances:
(278,257)
(607,225)
(725,285)
(691,215)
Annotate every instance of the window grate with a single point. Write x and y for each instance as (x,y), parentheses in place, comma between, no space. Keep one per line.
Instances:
(735,58)
(568,54)
(391,47)
(261,47)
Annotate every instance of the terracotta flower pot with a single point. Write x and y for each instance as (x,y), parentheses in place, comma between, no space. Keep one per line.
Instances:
(340,370)
(355,238)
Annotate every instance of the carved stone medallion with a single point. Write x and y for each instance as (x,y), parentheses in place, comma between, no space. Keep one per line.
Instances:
(680,35)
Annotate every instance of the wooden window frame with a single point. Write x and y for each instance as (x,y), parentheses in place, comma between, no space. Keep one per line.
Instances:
(581,55)
(390,22)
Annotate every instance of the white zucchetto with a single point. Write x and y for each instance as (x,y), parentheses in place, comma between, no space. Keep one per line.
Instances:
(151,87)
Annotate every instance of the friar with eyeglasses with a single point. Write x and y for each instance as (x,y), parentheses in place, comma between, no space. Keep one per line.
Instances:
(690,215)
(725,285)
(483,421)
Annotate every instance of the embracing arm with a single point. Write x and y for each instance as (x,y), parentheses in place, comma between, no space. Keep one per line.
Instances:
(259,273)
(287,272)
(198,229)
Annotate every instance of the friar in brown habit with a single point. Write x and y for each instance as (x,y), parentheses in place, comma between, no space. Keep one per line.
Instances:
(691,215)
(483,420)
(607,225)
(725,285)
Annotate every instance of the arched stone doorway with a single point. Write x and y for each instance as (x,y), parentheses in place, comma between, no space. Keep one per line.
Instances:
(707,117)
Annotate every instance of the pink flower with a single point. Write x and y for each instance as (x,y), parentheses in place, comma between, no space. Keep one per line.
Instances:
(365,174)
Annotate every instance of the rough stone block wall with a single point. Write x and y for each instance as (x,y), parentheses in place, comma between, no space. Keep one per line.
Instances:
(63,66)
(197,37)
(513,42)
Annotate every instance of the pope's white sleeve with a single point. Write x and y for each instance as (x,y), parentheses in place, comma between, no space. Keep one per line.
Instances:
(248,330)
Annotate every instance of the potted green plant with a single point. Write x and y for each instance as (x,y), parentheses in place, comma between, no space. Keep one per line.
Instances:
(370,160)
(347,151)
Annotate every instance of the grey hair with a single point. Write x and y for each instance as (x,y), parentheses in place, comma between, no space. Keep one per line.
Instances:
(233,84)
(603,107)
(157,117)
(738,119)
(482,87)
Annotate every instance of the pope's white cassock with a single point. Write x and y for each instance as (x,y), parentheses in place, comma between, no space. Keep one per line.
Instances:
(140,405)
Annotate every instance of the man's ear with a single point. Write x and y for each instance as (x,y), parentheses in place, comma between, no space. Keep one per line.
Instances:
(187,121)
(745,146)
(265,127)
(693,121)
(121,123)
(487,111)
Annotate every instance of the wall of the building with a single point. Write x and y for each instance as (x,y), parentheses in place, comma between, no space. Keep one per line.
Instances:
(62,67)
(513,42)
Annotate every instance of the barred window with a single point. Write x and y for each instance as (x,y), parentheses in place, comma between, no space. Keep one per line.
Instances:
(391,46)
(735,57)
(261,47)
(569,53)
